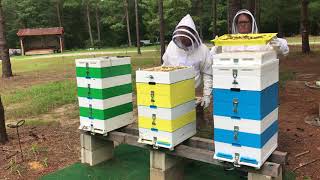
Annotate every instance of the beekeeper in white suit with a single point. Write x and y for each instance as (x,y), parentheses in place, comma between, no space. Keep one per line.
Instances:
(244,23)
(187,49)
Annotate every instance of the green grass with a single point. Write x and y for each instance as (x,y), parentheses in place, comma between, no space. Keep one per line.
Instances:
(42,98)
(62,64)
(297,39)
(112,49)
(39,99)
(39,122)
(115,50)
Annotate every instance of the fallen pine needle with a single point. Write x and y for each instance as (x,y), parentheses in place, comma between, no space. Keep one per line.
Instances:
(305,164)
(301,154)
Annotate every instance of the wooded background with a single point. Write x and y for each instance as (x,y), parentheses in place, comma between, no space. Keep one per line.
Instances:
(91,23)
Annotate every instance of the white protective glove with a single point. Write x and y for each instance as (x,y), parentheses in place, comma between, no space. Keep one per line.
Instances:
(205,101)
(280,46)
(275,45)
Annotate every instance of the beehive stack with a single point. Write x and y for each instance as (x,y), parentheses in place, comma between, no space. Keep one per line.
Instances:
(166,105)
(104,93)
(245,92)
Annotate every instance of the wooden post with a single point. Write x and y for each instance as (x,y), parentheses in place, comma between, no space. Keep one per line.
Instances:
(61,44)
(22,47)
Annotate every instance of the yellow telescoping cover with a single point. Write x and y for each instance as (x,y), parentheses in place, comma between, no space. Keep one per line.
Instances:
(243,39)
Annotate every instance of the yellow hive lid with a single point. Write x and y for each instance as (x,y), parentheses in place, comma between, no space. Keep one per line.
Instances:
(243,39)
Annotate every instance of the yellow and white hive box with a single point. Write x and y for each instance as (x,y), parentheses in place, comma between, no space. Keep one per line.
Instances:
(166,105)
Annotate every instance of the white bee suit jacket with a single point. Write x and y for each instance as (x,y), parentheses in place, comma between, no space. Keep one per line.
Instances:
(197,56)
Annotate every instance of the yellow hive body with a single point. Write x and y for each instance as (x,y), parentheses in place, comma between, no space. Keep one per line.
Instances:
(165,95)
(244,39)
(166,125)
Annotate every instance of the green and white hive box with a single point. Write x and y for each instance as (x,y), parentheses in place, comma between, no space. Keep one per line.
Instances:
(104,93)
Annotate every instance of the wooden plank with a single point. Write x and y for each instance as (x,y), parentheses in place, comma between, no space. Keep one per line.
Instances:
(208,144)
(194,153)
(268,168)
(201,143)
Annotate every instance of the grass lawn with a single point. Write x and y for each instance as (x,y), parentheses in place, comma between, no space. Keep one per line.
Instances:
(114,49)
(41,98)
(297,39)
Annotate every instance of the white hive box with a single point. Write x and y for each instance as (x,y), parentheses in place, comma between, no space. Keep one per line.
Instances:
(246,125)
(104,93)
(155,75)
(246,77)
(244,58)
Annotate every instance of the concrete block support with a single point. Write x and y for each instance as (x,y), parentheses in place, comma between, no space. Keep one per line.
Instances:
(165,167)
(253,176)
(95,150)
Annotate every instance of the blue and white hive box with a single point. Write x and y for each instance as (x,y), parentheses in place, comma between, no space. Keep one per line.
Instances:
(104,93)
(245,92)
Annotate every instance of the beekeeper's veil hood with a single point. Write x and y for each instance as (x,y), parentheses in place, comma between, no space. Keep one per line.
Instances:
(186,28)
(234,23)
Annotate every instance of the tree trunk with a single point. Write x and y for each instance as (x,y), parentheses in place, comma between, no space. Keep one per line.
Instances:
(137,26)
(98,21)
(89,22)
(161,22)
(6,64)
(214,17)
(304,26)
(233,7)
(251,6)
(3,132)
(126,6)
(200,10)
(257,12)
(58,3)
(279,24)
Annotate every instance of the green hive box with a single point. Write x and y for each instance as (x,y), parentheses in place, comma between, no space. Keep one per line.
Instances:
(104,93)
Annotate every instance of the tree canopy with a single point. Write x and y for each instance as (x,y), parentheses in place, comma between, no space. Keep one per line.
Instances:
(275,16)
